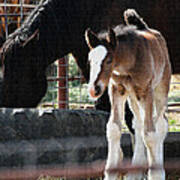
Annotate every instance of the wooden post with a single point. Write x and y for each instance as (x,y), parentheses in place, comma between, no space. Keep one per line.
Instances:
(62,84)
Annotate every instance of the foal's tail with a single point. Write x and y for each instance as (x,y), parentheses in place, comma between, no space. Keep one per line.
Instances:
(131,17)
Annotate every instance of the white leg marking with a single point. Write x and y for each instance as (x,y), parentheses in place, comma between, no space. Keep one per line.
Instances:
(154,143)
(115,154)
(139,156)
(113,131)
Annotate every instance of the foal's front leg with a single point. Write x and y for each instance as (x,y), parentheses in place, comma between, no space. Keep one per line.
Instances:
(139,155)
(113,131)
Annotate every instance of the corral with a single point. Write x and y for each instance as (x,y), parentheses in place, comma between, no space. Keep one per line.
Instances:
(29,141)
(37,136)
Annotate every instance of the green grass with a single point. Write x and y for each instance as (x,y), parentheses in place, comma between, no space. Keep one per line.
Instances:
(174,97)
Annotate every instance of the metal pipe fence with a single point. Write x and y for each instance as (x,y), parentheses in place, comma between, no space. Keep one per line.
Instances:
(14,12)
(65,90)
(68,86)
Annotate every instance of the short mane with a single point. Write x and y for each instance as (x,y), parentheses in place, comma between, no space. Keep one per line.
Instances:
(119,30)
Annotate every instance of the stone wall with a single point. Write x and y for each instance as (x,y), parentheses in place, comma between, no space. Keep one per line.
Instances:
(41,137)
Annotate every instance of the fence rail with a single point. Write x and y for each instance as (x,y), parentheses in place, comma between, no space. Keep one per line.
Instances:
(94,170)
(17,5)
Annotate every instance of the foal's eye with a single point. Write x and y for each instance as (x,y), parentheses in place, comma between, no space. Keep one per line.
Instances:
(109,61)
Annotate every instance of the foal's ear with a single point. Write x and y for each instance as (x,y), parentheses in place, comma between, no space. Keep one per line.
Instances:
(111,38)
(91,39)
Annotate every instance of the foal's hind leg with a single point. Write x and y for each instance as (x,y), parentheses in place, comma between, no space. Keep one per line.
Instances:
(115,154)
(155,130)
(161,129)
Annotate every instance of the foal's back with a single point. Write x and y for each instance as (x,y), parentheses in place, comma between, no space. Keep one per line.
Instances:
(142,55)
(151,52)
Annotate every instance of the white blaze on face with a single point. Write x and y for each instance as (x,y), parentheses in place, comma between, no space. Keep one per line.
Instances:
(96,57)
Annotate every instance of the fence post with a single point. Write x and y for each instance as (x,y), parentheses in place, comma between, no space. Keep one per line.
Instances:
(63,83)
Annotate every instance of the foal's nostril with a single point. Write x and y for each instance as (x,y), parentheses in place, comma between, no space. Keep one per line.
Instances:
(97,90)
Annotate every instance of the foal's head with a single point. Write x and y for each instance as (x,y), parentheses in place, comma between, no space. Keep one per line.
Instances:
(101,60)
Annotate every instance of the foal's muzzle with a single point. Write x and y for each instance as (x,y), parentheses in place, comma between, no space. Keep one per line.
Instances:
(95,91)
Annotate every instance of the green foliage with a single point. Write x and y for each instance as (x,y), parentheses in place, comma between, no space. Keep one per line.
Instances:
(173,125)
(174,96)
(79,94)
(73,68)
(77,91)
(172,121)
(173,118)
(51,94)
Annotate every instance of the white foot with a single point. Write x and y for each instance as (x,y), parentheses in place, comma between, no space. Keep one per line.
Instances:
(156,175)
(109,176)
